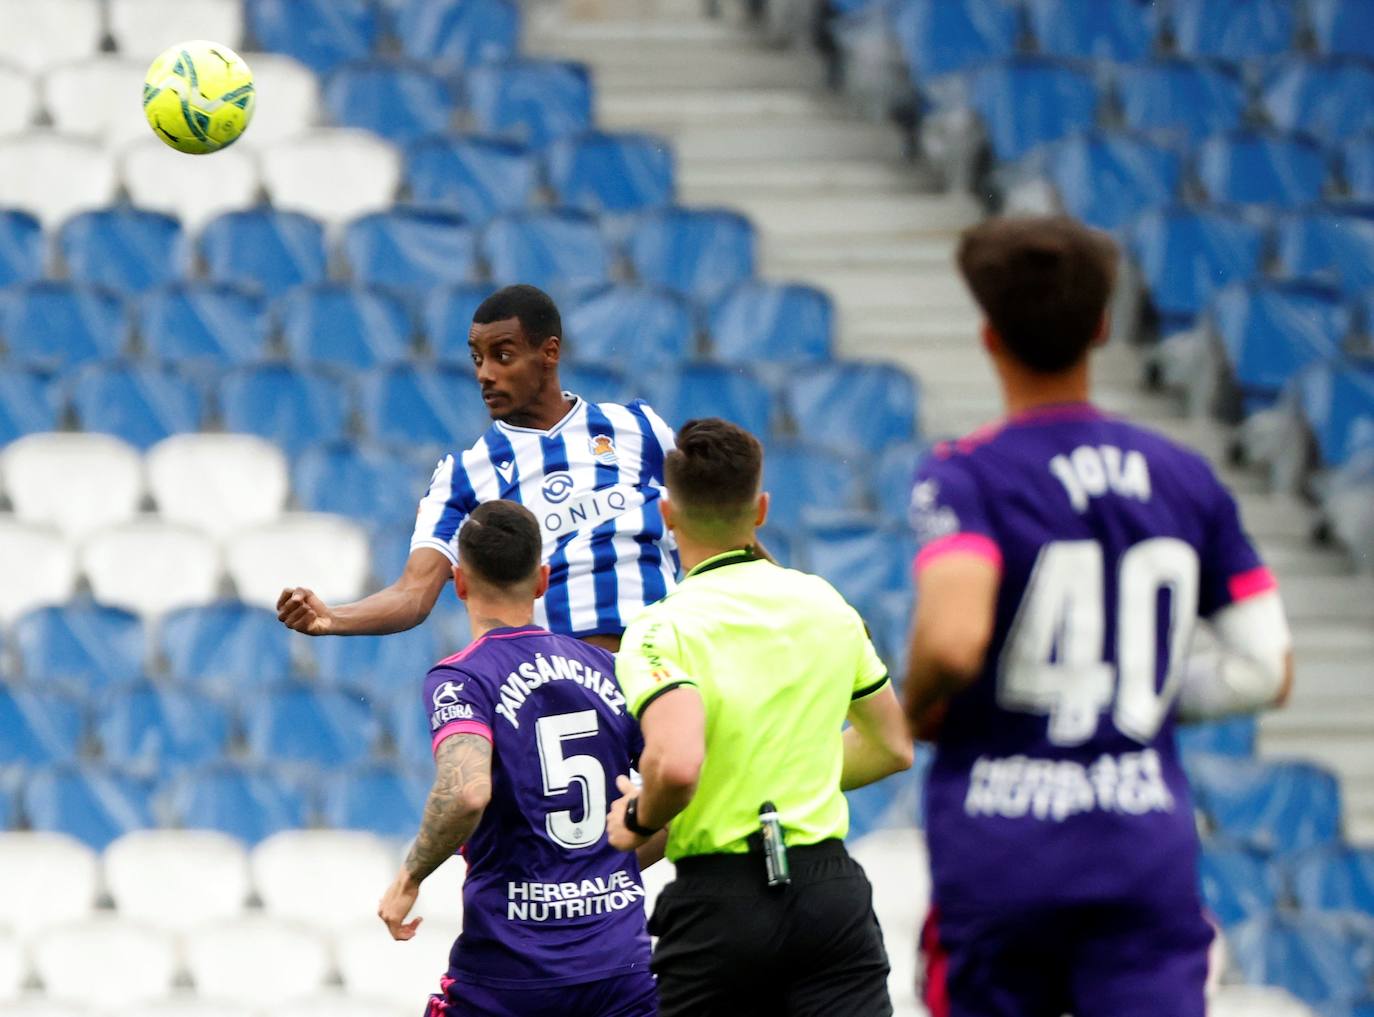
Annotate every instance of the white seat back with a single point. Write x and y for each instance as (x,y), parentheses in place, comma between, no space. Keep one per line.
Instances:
(18,99)
(656,877)
(898,867)
(194,190)
(151,567)
(217,483)
(325,878)
(91,99)
(129,962)
(288,99)
(14,967)
(43,33)
(331,1005)
(45,879)
(188,1006)
(54,176)
(326,553)
(46,561)
(46,1008)
(177,879)
(258,961)
(375,965)
(144,28)
(1255,1001)
(332,174)
(75,482)
(441,895)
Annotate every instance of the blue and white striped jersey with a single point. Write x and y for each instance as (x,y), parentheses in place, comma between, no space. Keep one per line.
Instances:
(593,481)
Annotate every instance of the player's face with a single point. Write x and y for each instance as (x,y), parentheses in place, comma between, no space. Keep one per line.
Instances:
(511,371)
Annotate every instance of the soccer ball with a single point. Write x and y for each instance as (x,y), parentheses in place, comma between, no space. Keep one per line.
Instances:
(198,97)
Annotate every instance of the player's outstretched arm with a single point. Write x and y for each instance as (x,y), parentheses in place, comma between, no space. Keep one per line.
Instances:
(876,743)
(402,605)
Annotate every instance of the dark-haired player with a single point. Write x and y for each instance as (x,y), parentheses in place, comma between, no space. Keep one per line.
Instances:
(590,472)
(530,731)
(1065,558)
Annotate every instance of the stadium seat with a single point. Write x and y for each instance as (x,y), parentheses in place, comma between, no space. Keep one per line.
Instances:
(378,967)
(370,483)
(1233,29)
(248,803)
(38,727)
(1337,402)
(153,730)
(774,322)
(629,326)
(130,962)
(124,249)
(408,724)
(1180,97)
(432,406)
(58,324)
(1185,254)
(799,478)
(151,567)
(601,173)
(217,483)
(14,968)
(895,863)
(1331,244)
(1342,27)
(824,402)
(534,101)
(943,36)
(1357,166)
(1107,180)
(442,893)
(456,34)
(291,406)
(859,557)
(1027,101)
(399,102)
(1249,168)
(21,248)
(1232,737)
(140,28)
(698,252)
(229,645)
(1318,958)
(93,804)
(893,479)
(295,99)
(1275,807)
(18,99)
(195,191)
(385,800)
(1336,879)
(712,390)
(90,99)
(411,251)
(46,879)
(1321,98)
(1255,1001)
(474,176)
(45,560)
(54,176)
(257,961)
(1237,883)
(346,325)
(328,554)
(447,317)
(39,1007)
(188,1006)
(28,404)
(319,33)
(332,174)
(81,645)
(329,1004)
(44,33)
(293,724)
(1116,30)
(379,666)
(75,482)
(597,384)
(140,403)
(888,617)
(265,249)
(557,251)
(322,878)
(1270,331)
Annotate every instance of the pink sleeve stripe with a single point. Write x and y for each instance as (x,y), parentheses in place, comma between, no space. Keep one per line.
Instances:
(1252,584)
(460,727)
(959,543)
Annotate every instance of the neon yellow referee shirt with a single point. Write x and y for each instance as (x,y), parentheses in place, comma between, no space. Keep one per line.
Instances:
(777,657)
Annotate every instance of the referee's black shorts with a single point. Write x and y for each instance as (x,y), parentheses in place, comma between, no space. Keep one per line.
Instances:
(731,946)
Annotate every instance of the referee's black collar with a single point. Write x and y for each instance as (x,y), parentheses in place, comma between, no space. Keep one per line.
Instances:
(735,557)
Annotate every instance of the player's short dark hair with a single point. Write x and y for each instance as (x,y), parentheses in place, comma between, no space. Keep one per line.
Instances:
(715,471)
(1043,282)
(532,307)
(500,542)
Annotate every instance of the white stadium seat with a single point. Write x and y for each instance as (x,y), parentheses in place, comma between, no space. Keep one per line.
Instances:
(45,879)
(177,879)
(218,483)
(441,895)
(188,1006)
(194,190)
(75,482)
(54,176)
(330,1005)
(1255,1001)
(288,99)
(333,174)
(151,567)
(18,99)
(899,870)
(325,878)
(46,1008)
(123,962)
(373,964)
(45,560)
(259,961)
(43,33)
(142,29)
(325,553)
(91,99)
(656,877)
(14,970)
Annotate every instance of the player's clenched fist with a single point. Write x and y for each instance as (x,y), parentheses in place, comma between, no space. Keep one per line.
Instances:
(301,610)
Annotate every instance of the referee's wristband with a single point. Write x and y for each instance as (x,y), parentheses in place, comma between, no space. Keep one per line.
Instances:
(632,819)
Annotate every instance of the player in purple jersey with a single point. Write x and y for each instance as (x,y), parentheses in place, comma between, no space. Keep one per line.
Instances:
(1065,557)
(530,730)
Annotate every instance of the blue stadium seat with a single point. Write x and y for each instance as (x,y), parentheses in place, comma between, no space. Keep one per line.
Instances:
(436,406)
(1237,883)
(475,176)
(126,249)
(38,727)
(1275,807)
(599,173)
(799,477)
(901,805)
(390,550)
(152,729)
(1181,97)
(408,722)
(943,36)
(534,101)
(597,383)
(712,390)
(1342,27)
(411,250)
(1185,254)
(1232,737)
(1318,958)
(1249,168)
(1357,164)
(203,323)
(299,725)
(1027,101)
(557,251)
(1338,879)
(854,408)
(249,803)
(28,403)
(1118,30)
(380,666)
(631,326)
(1269,331)
(697,252)
(319,33)
(459,33)
(447,317)
(93,804)
(292,406)
(337,323)
(1325,98)
(370,483)
(58,324)
(1337,402)
(140,403)
(400,102)
(21,247)
(265,249)
(1234,29)
(228,646)
(888,617)
(784,546)
(782,323)
(860,557)
(1333,243)
(1107,180)
(893,479)
(83,647)
(386,800)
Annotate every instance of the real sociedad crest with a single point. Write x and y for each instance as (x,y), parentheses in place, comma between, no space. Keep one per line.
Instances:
(603,449)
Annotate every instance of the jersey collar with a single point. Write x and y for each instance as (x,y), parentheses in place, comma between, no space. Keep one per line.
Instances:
(735,557)
(577,405)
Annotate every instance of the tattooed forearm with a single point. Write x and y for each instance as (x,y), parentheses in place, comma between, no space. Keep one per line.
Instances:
(462,788)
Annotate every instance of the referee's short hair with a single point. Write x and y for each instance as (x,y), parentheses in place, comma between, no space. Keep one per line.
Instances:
(500,544)
(532,307)
(715,472)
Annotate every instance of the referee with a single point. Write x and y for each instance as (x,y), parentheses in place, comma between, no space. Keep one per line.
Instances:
(741,679)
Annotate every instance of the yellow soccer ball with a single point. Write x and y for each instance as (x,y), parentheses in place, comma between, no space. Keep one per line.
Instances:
(198,97)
